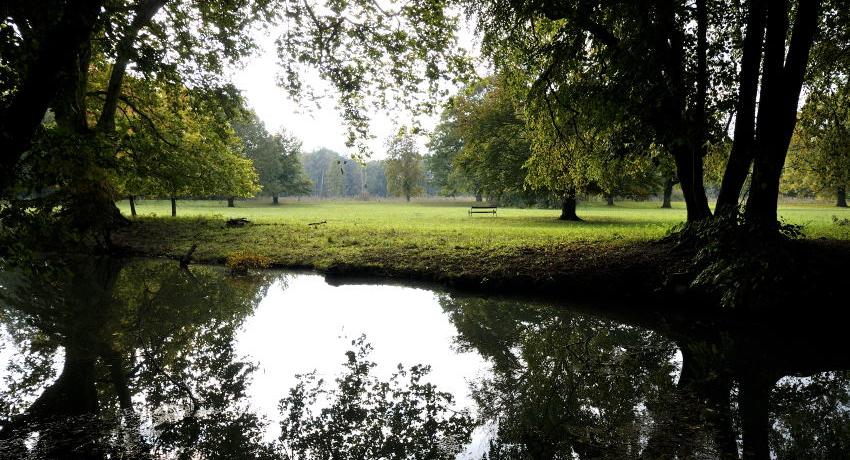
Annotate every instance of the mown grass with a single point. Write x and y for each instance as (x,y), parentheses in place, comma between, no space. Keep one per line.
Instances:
(612,250)
(627,220)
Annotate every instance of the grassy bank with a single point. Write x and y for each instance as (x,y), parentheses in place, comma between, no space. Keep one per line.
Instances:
(520,249)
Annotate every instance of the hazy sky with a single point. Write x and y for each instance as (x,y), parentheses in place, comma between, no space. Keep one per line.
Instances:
(316,127)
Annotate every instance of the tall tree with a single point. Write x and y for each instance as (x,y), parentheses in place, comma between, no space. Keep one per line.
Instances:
(405,176)
(276,158)
(671,66)
(820,153)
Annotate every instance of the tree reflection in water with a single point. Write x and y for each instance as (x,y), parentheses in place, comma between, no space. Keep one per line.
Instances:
(117,359)
(148,362)
(583,385)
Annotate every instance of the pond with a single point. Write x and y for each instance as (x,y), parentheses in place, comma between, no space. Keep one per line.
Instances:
(113,358)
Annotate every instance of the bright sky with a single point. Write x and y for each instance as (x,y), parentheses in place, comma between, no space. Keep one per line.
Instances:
(316,127)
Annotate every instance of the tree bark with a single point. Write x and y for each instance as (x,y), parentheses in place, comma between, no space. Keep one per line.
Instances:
(27,106)
(841,196)
(173,206)
(685,128)
(132,199)
(478,197)
(609,199)
(689,169)
(231,202)
(782,82)
(144,12)
(568,207)
(741,156)
(668,193)
(275,199)
(407,197)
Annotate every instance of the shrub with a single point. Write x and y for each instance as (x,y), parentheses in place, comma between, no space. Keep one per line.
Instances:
(240,263)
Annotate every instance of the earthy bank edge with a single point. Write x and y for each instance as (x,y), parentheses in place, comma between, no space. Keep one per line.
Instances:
(640,272)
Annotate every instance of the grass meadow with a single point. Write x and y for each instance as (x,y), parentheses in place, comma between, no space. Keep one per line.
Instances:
(434,240)
(627,220)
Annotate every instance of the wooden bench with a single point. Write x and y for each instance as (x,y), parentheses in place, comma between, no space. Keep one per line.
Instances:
(485,209)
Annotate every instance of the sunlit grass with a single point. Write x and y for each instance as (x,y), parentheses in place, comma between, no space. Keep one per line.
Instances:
(434,240)
(627,220)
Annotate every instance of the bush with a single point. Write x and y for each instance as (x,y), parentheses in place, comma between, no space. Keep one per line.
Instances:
(240,263)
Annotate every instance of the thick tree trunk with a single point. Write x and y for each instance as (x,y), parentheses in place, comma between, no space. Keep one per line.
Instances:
(841,196)
(741,156)
(231,202)
(689,169)
(782,82)
(173,206)
(668,193)
(275,199)
(568,208)
(407,197)
(56,54)
(132,199)
(478,197)
(609,199)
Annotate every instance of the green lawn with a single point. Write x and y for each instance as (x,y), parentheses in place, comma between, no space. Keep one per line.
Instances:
(434,240)
(627,220)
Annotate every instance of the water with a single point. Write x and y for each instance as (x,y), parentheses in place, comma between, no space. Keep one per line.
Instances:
(106,358)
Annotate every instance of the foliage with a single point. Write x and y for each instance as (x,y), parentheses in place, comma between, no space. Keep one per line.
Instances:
(444,145)
(172,148)
(363,417)
(494,140)
(563,383)
(240,263)
(334,175)
(739,265)
(375,56)
(812,420)
(149,367)
(404,172)
(275,157)
(819,157)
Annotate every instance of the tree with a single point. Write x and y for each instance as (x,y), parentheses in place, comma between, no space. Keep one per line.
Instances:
(376,178)
(140,339)
(404,166)
(671,66)
(175,149)
(494,139)
(820,155)
(444,145)
(275,157)
(47,49)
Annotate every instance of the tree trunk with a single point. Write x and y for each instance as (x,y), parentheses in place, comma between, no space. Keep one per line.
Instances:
(668,193)
(841,196)
(782,82)
(56,55)
(609,199)
(478,197)
(407,197)
(275,199)
(132,199)
(173,206)
(230,202)
(741,156)
(689,169)
(568,208)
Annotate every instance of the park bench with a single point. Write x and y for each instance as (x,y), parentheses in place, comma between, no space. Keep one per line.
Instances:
(483,209)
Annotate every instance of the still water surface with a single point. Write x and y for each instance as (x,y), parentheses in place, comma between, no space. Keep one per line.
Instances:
(106,358)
